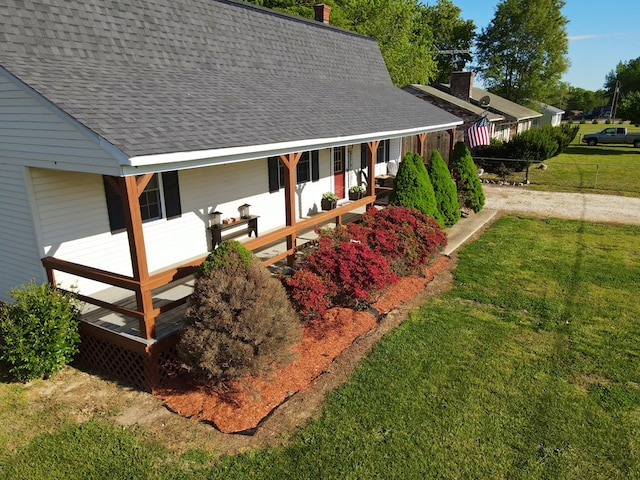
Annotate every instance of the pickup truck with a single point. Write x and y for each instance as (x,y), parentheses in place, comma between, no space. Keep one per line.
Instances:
(612,135)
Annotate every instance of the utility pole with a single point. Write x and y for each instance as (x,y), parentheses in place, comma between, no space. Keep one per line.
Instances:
(616,95)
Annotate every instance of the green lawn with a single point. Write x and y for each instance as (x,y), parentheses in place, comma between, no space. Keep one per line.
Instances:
(608,169)
(528,368)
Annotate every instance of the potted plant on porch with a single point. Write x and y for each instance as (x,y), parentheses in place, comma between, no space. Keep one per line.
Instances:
(356,192)
(329,201)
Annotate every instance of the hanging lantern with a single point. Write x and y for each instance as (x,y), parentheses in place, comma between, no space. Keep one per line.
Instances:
(244,210)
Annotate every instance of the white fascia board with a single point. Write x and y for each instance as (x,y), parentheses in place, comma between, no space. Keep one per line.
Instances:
(112,150)
(203,158)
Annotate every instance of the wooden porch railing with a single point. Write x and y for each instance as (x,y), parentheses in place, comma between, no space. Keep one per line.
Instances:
(165,277)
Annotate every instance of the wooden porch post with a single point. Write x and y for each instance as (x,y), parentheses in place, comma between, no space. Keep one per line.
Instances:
(372,148)
(290,162)
(130,192)
(452,142)
(421,141)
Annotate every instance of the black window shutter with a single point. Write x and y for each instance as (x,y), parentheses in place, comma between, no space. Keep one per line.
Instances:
(114,207)
(274,180)
(315,166)
(363,155)
(171,194)
(387,145)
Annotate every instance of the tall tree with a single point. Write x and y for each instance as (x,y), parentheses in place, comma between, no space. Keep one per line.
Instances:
(452,37)
(626,77)
(407,48)
(522,53)
(629,108)
(405,42)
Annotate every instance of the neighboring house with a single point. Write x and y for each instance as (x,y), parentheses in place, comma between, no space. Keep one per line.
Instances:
(550,116)
(125,125)
(516,118)
(467,111)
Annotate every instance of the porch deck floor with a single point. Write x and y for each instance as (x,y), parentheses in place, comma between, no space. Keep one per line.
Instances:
(170,322)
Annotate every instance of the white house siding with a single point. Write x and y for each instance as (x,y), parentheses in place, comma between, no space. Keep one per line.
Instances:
(18,245)
(74,225)
(33,133)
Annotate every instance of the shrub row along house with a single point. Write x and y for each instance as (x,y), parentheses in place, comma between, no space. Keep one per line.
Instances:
(124,125)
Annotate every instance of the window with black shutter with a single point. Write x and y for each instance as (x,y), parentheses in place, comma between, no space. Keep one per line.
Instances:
(160,188)
(307,170)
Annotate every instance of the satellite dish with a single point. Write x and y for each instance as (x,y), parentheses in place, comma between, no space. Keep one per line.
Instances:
(485,101)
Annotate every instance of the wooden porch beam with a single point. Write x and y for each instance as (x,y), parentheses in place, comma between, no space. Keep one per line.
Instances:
(452,142)
(421,141)
(290,163)
(133,222)
(142,181)
(372,148)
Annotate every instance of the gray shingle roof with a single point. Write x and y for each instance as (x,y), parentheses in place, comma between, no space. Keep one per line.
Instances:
(161,76)
(453,100)
(499,104)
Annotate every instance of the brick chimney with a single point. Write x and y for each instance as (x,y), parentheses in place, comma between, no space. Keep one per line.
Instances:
(461,85)
(322,12)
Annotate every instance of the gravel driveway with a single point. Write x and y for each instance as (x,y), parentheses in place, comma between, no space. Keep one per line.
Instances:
(581,206)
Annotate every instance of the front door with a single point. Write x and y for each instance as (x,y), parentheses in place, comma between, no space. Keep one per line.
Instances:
(338,171)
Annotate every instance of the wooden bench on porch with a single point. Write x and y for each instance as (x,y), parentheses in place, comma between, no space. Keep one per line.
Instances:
(217,235)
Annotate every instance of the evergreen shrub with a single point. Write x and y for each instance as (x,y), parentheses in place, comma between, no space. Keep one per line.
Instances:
(413,187)
(238,320)
(465,174)
(444,189)
(39,330)
(227,253)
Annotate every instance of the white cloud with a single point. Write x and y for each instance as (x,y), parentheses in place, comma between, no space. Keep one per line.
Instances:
(589,36)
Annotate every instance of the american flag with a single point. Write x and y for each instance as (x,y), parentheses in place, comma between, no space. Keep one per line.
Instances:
(478,133)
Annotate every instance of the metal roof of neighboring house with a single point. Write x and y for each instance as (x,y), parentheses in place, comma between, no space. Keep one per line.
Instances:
(500,105)
(155,77)
(458,102)
(551,109)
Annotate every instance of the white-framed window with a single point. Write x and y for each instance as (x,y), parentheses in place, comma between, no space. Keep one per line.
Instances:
(162,190)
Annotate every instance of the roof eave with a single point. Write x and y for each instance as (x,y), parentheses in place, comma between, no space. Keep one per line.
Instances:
(204,158)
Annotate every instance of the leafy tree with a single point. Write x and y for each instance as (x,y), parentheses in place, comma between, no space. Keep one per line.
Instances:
(405,42)
(452,33)
(465,174)
(522,53)
(584,100)
(629,108)
(413,187)
(628,76)
(407,48)
(444,189)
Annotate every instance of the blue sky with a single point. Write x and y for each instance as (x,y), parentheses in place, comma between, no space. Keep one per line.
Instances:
(601,34)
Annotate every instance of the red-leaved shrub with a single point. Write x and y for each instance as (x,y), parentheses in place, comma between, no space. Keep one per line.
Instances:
(352,264)
(308,293)
(351,271)
(405,236)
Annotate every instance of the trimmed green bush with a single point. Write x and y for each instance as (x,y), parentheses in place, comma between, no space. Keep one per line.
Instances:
(228,252)
(413,187)
(445,190)
(238,320)
(535,145)
(565,134)
(38,331)
(465,174)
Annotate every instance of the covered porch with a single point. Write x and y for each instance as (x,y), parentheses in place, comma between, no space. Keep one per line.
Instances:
(130,328)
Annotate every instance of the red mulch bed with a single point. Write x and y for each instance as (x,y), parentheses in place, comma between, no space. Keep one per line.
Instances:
(246,402)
